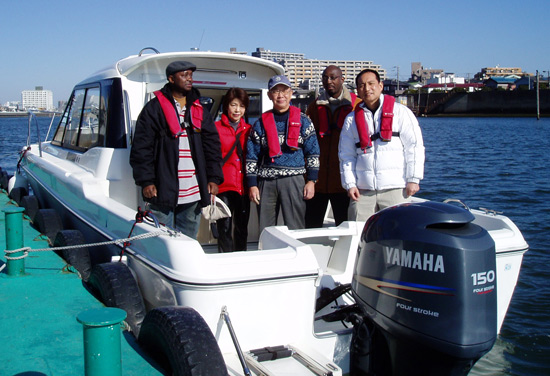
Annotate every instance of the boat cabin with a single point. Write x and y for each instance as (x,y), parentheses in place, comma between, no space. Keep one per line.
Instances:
(99,120)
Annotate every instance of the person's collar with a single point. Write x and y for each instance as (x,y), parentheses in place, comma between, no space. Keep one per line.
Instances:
(280,113)
(324,99)
(380,103)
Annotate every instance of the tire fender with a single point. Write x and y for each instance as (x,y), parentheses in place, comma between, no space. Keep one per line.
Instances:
(180,340)
(115,285)
(77,257)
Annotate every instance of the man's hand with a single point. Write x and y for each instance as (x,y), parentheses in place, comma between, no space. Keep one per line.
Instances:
(411,189)
(150,191)
(254,195)
(354,194)
(309,190)
(213,188)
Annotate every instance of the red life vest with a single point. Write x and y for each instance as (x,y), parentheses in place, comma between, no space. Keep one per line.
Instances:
(172,117)
(385,134)
(292,131)
(343,111)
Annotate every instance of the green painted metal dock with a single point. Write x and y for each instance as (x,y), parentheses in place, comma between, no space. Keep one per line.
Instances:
(39,332)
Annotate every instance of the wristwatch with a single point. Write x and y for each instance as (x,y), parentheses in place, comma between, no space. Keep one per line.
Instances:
(314,181)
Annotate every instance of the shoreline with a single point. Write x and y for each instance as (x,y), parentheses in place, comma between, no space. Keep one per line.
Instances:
(26,114)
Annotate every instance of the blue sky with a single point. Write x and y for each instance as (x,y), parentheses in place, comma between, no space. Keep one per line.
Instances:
(57,43)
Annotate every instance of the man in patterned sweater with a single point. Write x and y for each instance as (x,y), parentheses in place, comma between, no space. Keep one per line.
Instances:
(282,162)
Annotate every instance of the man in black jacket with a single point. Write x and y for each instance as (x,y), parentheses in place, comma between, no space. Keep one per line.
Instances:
(176,153)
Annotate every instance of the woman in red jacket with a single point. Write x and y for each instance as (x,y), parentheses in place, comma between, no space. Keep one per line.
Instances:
(233,131)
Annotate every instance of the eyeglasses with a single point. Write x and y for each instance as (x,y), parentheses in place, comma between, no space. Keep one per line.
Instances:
(280,91)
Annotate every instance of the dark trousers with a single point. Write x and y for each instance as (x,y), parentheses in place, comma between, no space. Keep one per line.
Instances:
(233,231)
(317,207)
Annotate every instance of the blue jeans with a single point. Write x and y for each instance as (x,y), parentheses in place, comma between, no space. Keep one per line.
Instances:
(185,218)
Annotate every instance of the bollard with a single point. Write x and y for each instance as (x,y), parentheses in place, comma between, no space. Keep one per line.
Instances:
(102,350)
(14,239)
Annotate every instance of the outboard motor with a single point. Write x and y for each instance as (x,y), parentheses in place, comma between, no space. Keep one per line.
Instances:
(425,282)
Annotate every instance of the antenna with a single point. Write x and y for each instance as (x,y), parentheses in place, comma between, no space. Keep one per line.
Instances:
(200,42)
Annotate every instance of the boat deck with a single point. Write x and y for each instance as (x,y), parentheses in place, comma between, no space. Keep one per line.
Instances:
(38,326)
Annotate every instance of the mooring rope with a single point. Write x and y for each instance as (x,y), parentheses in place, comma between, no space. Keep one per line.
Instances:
(27,250)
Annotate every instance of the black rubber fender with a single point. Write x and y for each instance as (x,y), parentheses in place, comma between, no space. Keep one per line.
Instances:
(179,339)
(114,283)
(79,258)
(17,194)
(4,179)
(31,205)
(48,222)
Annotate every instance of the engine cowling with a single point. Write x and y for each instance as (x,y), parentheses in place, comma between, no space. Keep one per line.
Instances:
(425,280)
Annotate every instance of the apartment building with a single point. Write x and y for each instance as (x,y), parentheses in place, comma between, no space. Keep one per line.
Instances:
(276,56)
(497,71)
(38,99)
(306,73)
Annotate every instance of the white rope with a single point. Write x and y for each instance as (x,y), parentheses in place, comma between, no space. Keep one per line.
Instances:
(27,250)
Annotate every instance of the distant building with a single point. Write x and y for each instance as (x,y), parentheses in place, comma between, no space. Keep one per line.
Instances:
(418,73)
(526,83)
(470,87)
(309,71)
(306,73)
(445,78)
(12,106)
(497,71)
(38,99)
(277,57)
(234,51)
(507,83)
(61,105)
(394,88)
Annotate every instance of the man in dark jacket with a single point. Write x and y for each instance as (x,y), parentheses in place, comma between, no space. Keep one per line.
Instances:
(175,156)
(327,113)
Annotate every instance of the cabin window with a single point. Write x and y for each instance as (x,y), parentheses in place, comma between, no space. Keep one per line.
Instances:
(254,110)
(89,129)
(207,103)
(58,137)
(71,133)
(79,127)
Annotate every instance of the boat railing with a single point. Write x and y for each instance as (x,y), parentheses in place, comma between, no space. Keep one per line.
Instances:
(148,48)
(32,116)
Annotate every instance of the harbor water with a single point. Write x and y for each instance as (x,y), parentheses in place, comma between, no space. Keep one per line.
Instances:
(495,163)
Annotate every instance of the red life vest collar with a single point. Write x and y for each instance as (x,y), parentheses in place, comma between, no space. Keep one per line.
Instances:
(385,134)
(292,131)
(172,118)
(343,111)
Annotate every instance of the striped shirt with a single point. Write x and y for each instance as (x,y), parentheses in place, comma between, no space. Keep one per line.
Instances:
(187,175)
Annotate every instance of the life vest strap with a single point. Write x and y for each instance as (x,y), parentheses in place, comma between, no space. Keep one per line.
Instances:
(377,136)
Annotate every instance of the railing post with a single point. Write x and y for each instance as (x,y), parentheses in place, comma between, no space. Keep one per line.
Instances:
(102,349)
(14,240)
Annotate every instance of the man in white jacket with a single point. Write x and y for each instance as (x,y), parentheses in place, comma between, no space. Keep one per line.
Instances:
(381,151)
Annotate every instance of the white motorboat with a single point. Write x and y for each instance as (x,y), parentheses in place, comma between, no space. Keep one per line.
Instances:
(290,296)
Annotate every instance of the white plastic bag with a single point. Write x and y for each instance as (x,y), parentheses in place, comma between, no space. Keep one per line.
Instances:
(216,210)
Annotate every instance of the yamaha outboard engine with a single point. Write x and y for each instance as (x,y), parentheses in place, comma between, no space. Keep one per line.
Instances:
(425,282)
